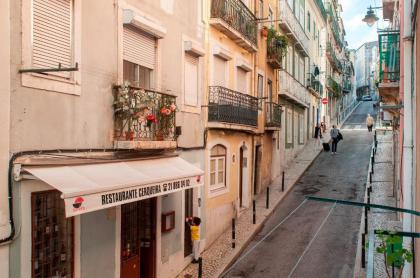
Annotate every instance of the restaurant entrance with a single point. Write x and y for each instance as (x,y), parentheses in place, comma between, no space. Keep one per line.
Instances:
(138,239)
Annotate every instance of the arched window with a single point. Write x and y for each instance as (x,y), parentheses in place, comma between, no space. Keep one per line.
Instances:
(217,167)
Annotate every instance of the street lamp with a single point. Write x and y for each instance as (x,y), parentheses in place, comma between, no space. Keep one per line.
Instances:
(370,17)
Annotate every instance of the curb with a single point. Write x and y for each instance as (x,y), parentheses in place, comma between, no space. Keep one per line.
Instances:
(237,254)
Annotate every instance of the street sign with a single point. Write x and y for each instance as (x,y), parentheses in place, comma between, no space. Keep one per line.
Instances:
(324,100)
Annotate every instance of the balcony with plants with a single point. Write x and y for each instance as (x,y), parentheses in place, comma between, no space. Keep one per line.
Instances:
(273,112)
(143,119)
(332,57)
(333,87)
(235,20)
(227,106)
(291,25)
(276,48)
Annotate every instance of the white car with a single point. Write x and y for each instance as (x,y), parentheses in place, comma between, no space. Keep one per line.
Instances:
(367,98)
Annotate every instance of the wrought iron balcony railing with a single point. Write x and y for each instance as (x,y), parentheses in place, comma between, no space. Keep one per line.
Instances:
(143,115)
(347,86)
(288,21)
(335,62)
(232,107)
(322,9)
(389,56)
(272,114)
(315,85)
(334,26)
(236,15)
(334,87)
(292,89)
(275,55)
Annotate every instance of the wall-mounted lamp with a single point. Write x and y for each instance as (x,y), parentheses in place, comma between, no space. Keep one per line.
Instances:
(370,17)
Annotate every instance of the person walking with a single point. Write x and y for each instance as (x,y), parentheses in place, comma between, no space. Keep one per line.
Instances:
(334,132)
(369,122)
(317,136)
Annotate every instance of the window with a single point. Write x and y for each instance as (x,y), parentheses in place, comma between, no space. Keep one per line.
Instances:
(52,236)
(314,30)
(241,80)
(219,73)
(261,9)
(301,129)
(52,42)
(270,17)
(270,90)
(139,54)
(302,13)
(260,90)
(217,167)
(301,71)
(308,20)
(191,80)
(137,75)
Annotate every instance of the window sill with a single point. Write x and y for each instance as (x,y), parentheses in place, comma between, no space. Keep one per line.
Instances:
(51,83)
(218,191)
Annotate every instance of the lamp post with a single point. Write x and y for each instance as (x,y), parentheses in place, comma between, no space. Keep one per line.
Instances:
(370,17)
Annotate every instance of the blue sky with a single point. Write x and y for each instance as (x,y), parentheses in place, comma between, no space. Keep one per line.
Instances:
(357,31)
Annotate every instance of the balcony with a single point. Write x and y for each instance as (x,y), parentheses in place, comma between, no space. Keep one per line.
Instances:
(272,116)
(335,62)
(347,86)
(322,9)
(389,64)
(315,86)
(143,119)
(228,106)
(275,52)
(334,27)
(334,87)
(235,20)
(291,25)
(293,90)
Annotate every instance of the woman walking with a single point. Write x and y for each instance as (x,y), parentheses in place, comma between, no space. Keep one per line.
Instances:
(369,122)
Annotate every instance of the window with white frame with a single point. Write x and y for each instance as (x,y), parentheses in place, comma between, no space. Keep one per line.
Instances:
(219,71)
(302,13)
(218,167)
(52,35)
(260,86)
(139,54)
(191,80)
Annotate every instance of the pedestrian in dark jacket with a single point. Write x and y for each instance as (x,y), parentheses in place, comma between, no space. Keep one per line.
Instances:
(334,132)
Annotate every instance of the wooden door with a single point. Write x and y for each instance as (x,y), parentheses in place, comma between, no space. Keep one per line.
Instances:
(241,173)
(148,238)
(130,240)
(188,213)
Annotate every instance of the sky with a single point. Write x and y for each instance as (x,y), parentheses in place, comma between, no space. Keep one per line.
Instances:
(357,31)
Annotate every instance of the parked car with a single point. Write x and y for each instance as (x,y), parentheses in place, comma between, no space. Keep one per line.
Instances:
(367,98)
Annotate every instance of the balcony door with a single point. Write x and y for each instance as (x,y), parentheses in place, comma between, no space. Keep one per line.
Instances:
(219,71)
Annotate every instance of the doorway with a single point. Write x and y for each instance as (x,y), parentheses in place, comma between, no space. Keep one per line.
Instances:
(257,164)
(188,213)
(243,177)
(138,239)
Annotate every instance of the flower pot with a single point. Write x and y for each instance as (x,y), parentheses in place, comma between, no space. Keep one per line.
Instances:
(129,135)
(264,32)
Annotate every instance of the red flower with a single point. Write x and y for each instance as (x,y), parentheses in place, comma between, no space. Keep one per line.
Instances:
(151,118)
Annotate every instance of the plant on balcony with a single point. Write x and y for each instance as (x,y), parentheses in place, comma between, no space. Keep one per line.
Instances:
(166,118)
(276,44)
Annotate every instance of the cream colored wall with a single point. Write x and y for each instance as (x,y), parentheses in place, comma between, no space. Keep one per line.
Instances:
(222,205)
(5,137)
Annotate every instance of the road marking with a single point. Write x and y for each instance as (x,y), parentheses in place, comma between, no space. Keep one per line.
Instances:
(259,242)
(312,240)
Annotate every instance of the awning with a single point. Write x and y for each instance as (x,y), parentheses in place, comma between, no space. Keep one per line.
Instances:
(93,187)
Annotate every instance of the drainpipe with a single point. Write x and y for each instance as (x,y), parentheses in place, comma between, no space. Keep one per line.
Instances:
(408,128)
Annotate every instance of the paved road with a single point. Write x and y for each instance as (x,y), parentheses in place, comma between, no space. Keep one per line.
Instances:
(317,240)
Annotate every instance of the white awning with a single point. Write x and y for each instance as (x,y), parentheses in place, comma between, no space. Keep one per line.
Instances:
(93,187)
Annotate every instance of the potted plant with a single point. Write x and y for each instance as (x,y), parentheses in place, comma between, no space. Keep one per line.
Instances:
(264,31)
(166,120)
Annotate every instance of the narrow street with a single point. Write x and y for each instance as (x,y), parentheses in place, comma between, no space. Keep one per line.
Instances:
(317,239)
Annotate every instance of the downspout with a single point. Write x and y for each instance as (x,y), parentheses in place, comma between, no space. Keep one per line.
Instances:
(408,128)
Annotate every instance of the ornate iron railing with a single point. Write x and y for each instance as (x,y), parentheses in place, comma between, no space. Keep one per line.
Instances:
(292,88)
(315,84)
(272,114)
(335,62)
(322,9)
(233,107)
(275,54)
(237,15)
(143,115)
(389,56)
(334,26)
(334,87)
(347,86)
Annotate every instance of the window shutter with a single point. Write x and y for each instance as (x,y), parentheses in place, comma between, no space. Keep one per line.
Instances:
(191,80)
(139,47)
(52,34)
(242,85)
(219,71)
